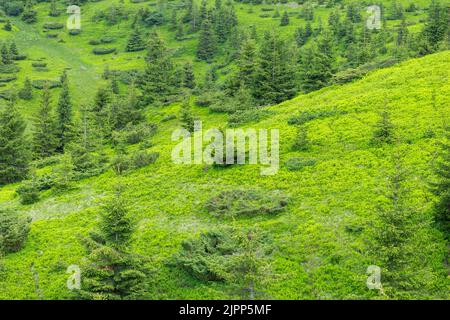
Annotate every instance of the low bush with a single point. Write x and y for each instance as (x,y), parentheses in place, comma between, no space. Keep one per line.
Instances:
(133,134)
(241,117)
(306,116)
(53,26)
(41,84)
(103,51)
(236,203)
(28,193)
(74,32)
(39,64)
(295,164)
(6,79)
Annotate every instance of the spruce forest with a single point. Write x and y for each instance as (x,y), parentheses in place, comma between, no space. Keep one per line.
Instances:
(93,205)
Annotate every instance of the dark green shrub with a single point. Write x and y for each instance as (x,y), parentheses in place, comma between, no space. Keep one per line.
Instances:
(7,79)
(28,193)
(39,64)
(250,115)
(207,257)
(41,84)
(246,203)
(107,39)
(13,231)
(13,8)
(294,164)
(168,117)
(102,51)
(94,42)
(74,32)
(53,26)
(9,68)
(306,116)
(142,159)
(133,134)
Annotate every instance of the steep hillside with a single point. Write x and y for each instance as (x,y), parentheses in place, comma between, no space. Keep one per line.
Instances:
(321,245)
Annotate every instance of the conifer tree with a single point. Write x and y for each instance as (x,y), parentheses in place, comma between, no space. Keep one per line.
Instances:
(207,43)
(26,93)
(186,117)
(189,77)
(179,35)
(13,51)
(7,26)
(247,65)
(112,271)
(275,78)
(115,86)
(100,111)
(64,111)
(14,147)
(437,24)
(45,140)
(301,142)
(53,9)
(316,67)
(284,19)
(157,82)
(6,55)
(383,129)
(135,42)
(441,188)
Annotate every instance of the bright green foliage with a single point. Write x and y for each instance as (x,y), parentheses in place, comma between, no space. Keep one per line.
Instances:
(301,142)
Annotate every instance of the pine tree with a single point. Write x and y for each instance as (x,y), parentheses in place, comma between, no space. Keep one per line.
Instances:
(402,34)
(6,55)
(135,42)
(186,117)
(179,35)
(157,82)
(101,112)
(115,86)
(301,142)
(247,65)
(54,12)
(437,23)
(316,67)
(275,78)
(64,115)
(13,51)
(14,146)
(173,20)
(207,43)
(45,140)
(7,26)
(383,129)
(441,188)
(26,93)
(284,19)
(112,271)
(189,77)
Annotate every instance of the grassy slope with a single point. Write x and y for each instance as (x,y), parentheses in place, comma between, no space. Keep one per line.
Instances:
(314,256)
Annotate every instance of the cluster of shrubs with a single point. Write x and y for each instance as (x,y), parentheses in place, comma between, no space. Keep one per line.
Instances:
(103,40)
(241,117)
(53,26)
(235,203)
(122,163)
(134,134)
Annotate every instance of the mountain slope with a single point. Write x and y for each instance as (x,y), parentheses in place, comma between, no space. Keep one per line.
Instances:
(315,255)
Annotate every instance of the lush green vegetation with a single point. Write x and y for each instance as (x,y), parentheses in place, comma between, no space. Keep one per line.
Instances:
(85,150)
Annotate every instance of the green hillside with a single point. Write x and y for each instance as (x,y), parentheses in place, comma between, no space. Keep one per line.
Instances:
(315,255)
(362,118)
